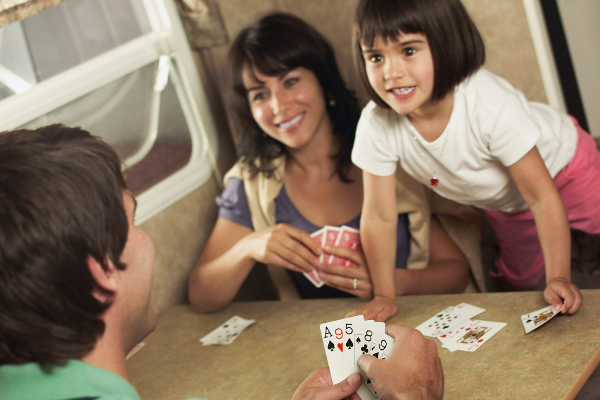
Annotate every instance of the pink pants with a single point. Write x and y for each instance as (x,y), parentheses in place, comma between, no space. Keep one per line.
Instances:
(521,261)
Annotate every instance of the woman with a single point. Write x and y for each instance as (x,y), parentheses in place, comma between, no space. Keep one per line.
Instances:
(296,121)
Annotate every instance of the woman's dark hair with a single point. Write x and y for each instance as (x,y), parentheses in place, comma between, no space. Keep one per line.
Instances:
(456,46)
(60,203)
(275,45)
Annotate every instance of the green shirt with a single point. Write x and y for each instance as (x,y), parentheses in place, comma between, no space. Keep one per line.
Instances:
(74,380)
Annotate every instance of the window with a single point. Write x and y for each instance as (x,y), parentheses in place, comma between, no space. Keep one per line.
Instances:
(123,70)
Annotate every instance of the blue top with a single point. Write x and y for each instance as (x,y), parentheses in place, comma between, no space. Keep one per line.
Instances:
(233,206)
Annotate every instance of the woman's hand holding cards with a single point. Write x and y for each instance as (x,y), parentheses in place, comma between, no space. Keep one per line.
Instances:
(378,309)
(343,277)
(286,246)
(559,291)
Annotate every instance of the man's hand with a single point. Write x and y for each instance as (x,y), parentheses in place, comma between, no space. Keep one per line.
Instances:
(413,370)
(319,386)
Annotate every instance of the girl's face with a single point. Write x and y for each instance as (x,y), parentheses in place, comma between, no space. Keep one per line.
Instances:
(401,72)
(289,108)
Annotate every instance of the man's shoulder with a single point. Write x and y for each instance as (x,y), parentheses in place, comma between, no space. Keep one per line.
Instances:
(72,379)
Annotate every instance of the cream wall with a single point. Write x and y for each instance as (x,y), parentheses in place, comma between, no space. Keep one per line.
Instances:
(503,25)
(580,20)
(181,231)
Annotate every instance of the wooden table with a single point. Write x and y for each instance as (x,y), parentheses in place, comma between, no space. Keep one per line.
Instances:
(272,357)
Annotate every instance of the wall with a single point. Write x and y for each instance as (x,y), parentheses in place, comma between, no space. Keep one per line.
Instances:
(580,22)
(503,25)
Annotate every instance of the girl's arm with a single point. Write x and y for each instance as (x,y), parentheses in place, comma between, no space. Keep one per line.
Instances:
(231,252)
(538,189)
(447,272)
(378,238)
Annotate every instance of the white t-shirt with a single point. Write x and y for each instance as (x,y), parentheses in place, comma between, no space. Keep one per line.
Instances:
(491,127)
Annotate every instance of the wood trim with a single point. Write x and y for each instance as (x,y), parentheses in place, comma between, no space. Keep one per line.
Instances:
(583,377)
(17,10)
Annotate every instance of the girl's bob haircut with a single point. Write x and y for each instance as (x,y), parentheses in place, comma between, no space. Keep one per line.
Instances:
(456,46)
(275,45)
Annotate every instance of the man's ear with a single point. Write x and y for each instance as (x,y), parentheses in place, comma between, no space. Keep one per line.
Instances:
(106,280)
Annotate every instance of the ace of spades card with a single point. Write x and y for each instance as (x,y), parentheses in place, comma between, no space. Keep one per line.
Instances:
(538,318)
(338,341)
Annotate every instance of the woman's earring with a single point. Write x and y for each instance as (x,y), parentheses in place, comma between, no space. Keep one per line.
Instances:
(331,102)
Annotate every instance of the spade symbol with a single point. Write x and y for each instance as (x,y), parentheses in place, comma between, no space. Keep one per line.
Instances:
(364,349)
(357,340)
(529,320)
(330,346)
(376,355)
(349,344)
(368,381)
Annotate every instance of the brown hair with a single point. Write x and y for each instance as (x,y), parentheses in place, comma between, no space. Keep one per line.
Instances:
(60,202)
(456,46)
(275,45)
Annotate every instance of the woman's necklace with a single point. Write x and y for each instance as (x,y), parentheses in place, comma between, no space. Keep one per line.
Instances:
(434,179)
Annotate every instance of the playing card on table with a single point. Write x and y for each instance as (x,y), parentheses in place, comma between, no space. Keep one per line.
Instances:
(134,350)
(470,335)
(448,318)
(227,332)
(338,341)
(313,276)
(535,319)
(349,238)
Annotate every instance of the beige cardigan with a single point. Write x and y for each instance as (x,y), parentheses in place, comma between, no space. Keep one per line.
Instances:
(419,202)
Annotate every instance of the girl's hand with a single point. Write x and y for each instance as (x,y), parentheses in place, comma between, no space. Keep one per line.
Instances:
(342,277)
(379,309)
(286,246)
(563,294)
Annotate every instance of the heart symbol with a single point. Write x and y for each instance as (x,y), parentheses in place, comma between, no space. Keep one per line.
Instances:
(443,336)
(480,340)
(341,347)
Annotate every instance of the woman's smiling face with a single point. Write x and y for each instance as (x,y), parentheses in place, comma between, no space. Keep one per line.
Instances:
(290,108)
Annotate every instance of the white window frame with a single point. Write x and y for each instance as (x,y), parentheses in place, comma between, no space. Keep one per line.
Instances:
(166,38)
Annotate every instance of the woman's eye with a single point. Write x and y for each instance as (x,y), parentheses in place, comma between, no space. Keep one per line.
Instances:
(259,96)
(409,51)
(291,81)
(375,58)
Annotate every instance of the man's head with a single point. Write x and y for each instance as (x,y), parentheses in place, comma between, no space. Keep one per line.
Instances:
(66,222)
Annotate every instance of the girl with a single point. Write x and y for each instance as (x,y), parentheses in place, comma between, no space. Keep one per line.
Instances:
(297,121)
(472,138)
